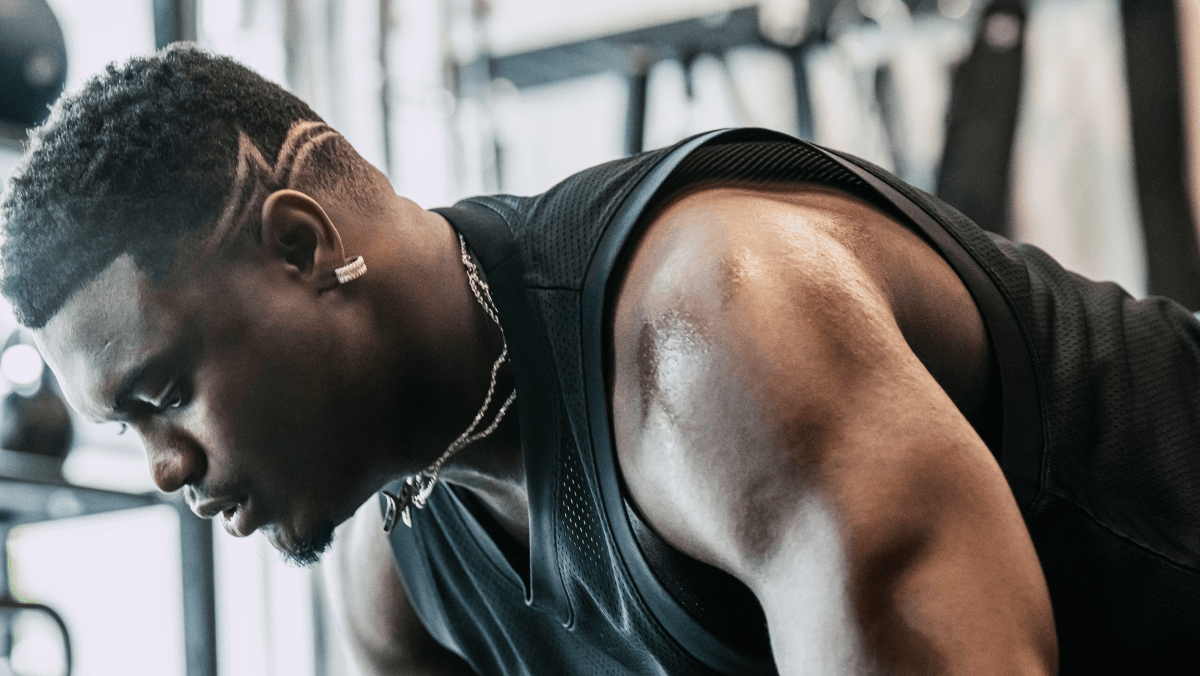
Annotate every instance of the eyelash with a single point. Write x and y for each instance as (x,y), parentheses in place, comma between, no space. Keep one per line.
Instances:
(175,398)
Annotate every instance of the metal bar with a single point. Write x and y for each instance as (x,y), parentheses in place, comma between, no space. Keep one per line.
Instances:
(25,501)
(385,86)
(618,52)
(5,590)
(199,592)
(1152,68)
(174,20)
(635,113)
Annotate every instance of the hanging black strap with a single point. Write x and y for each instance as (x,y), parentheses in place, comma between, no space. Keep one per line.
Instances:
(1152,63)
(805,125)
(984,100)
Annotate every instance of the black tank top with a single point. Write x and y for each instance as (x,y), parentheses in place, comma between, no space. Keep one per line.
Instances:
(1100,440)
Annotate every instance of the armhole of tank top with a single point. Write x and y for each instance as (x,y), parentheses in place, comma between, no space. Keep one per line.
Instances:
(671,616)
(1021,455)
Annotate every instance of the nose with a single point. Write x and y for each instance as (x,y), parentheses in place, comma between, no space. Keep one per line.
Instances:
(176,460)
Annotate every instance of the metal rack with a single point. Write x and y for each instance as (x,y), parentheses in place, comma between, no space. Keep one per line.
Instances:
(32,490)
(634,52)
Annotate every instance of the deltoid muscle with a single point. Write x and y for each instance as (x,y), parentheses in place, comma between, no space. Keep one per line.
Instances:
(256,178)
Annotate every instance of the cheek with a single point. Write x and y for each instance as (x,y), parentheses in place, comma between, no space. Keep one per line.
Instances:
(276,424)
(261,410)
(274,398)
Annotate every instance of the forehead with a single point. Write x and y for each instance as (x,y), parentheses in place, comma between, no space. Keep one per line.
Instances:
(105,330)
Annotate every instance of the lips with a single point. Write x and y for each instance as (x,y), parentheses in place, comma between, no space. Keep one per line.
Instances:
(207,509)
(236,514)
(238,520)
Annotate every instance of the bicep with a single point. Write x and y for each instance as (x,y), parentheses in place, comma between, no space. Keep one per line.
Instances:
(775,424)
(371,606)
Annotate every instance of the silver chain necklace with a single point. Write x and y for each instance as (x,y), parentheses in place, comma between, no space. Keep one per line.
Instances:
(417,488)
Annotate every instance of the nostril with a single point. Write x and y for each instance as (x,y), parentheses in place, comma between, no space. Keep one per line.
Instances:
(167,473)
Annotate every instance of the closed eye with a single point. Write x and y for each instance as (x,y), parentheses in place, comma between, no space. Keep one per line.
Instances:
(160,384)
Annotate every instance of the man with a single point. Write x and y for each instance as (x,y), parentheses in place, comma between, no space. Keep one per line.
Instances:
(729,407)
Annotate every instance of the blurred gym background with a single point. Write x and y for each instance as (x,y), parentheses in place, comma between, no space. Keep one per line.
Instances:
(1071,124)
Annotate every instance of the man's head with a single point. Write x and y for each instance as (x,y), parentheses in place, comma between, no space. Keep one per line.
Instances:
(150,152)
(170,235)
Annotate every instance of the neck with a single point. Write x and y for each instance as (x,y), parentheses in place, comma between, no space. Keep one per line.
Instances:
(445,345)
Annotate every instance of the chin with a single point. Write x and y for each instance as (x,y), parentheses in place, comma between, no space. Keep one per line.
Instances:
(302,551)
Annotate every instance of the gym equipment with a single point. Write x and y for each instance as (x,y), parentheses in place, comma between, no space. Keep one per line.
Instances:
(9,608)
(33,62)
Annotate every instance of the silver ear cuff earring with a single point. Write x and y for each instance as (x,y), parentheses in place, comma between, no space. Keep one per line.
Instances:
(352,270)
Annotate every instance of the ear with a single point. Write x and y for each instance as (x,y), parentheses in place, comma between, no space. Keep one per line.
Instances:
(299,233)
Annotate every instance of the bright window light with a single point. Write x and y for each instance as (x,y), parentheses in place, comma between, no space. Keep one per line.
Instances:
(21,364)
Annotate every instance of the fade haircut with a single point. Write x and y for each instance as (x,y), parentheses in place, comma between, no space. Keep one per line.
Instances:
(164,158)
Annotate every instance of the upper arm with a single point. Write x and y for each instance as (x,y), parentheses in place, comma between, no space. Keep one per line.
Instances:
(772,421)
(372,608)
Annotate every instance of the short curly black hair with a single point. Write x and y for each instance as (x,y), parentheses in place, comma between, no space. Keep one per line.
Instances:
(146,152)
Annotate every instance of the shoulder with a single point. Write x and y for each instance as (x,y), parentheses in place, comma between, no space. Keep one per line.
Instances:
(745,324)
(761,281)
(772,420)
(728,245)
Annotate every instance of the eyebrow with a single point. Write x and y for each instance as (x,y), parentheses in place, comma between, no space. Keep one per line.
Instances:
(122,404)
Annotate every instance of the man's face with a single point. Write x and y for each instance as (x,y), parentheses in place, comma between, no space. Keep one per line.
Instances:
(244,386)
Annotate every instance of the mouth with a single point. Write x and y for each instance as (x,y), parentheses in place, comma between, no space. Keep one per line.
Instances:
(238,520)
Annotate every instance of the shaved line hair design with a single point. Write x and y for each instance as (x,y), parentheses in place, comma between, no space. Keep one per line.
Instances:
(255,178)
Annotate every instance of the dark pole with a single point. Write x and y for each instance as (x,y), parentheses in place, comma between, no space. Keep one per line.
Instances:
(804,112)
(199,592)
(635,111)
(1156,108)
(982,120)
(5,592)
(174,20)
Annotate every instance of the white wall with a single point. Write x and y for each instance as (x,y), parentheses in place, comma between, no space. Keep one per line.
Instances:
(115,580)
(99,32)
